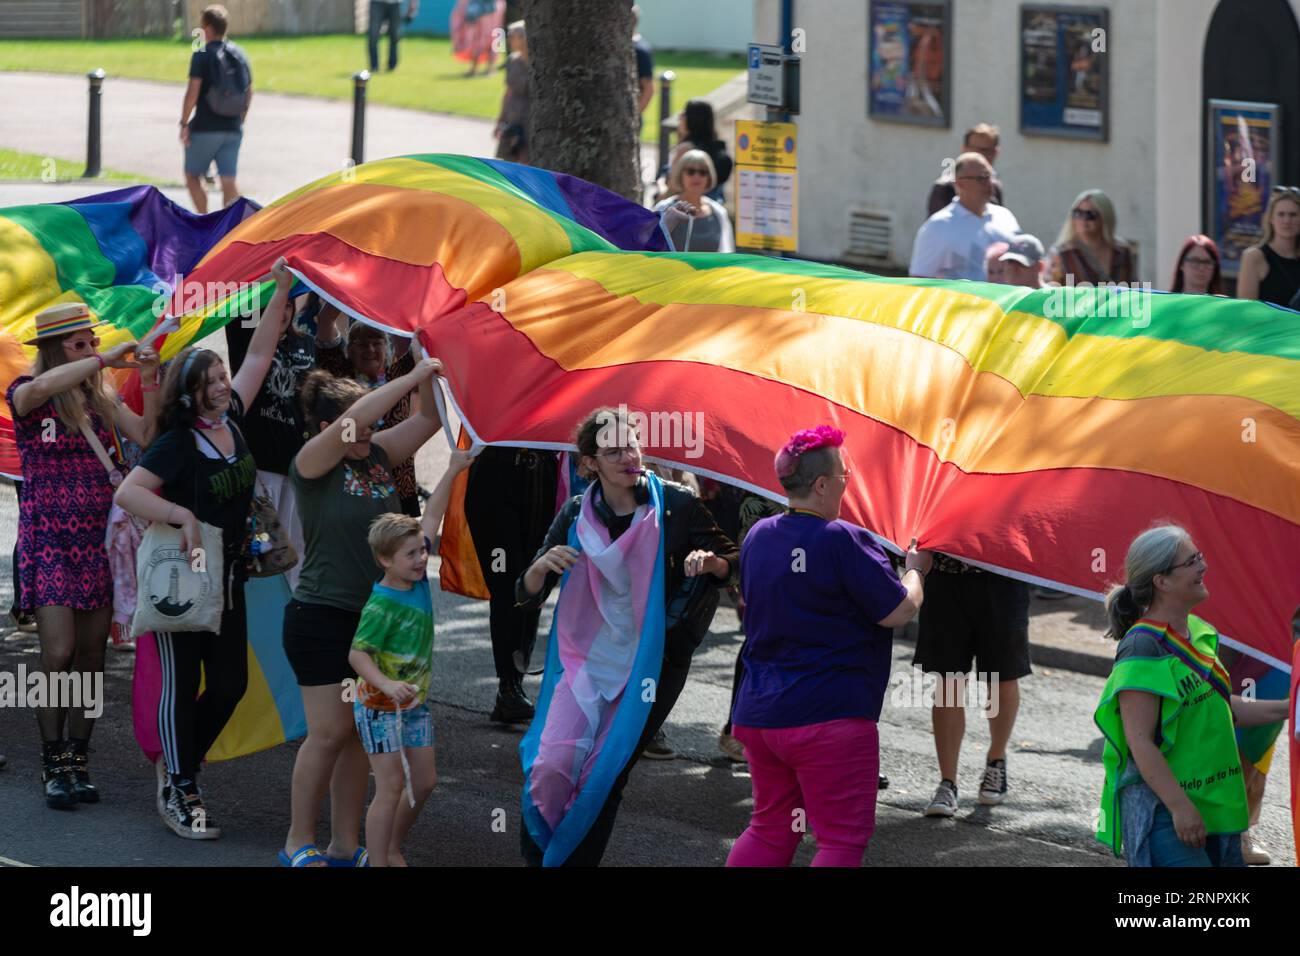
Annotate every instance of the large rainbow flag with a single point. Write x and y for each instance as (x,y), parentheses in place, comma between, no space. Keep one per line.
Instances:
(1033,432)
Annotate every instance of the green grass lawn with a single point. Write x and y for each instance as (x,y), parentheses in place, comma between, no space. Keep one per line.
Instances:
(427,78)
(16,165)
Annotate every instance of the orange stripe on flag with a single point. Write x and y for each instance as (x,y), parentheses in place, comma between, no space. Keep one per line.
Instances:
(460,571)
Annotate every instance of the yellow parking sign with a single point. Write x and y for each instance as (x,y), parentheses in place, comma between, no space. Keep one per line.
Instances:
(767,185)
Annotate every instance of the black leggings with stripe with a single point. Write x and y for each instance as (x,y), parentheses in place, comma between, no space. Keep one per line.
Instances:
(189,724)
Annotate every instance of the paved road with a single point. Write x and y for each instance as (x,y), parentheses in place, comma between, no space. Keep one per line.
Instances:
(680,812)
(288,140)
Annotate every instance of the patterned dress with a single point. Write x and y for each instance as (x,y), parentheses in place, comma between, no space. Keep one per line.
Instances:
(63,514)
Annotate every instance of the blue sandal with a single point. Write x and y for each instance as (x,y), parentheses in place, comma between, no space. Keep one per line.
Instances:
(305,855)
(358,859)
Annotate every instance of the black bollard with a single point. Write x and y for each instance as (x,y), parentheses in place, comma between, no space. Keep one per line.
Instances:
(96,78)
(359,116)
(667,122)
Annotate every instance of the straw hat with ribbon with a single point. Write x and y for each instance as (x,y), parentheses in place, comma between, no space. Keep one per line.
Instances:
(59,320)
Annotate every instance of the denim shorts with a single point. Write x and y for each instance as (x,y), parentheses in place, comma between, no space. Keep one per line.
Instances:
(223,146)
(1220,850)
(1150,838)
(379,728)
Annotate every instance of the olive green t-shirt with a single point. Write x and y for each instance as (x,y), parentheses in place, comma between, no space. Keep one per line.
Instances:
(336,509)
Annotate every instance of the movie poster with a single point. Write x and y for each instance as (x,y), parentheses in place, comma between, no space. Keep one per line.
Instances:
(1241,170)
(908,60)
(1064,73)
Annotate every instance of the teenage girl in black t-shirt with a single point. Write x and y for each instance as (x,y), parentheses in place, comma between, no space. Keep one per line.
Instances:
(202,471)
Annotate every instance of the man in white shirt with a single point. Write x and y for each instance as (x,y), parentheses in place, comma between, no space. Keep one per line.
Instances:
(951,243)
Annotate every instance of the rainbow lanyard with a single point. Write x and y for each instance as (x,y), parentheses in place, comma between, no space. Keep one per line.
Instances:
(117,446)
(1208,667)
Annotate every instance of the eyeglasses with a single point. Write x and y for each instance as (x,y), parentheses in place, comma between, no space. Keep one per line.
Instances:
(846,476)
(1197,557)
(982,178)
(1205,261)
(615,454)
(695,171)
(83,345)
(1089,214)
(1290,190)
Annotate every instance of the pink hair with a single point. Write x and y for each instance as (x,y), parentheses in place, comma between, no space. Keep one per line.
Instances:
(800,443)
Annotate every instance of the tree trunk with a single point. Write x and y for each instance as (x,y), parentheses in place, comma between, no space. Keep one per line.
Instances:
(583,118)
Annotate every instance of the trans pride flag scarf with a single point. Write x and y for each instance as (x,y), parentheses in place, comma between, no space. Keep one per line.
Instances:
(602,664)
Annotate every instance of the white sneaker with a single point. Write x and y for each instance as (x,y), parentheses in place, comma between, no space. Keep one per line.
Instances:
(732,747)
(944,802)
(1254,852)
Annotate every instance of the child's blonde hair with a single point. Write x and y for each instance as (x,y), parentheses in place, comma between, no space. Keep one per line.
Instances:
(388,531)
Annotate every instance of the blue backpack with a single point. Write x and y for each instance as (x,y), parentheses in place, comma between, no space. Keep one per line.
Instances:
(229,81)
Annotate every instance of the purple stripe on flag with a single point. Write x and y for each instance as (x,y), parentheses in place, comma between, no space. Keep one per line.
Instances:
(175,237)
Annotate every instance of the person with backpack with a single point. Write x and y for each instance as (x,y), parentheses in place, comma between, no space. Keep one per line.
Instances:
(220,91)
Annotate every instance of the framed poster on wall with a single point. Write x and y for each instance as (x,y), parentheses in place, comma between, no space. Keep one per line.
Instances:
(1064,72)
(1240,171)
(909,57)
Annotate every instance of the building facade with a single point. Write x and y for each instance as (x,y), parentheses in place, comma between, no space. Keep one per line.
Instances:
(1166,59)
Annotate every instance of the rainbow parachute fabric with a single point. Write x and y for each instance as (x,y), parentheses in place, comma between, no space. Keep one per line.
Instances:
(1034,432)
(118,252)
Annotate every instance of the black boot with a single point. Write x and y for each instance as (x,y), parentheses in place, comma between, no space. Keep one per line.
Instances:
(85,790)
(512,706)
(57,776)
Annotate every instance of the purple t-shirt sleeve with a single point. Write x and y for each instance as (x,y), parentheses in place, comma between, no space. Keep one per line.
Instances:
(866,574)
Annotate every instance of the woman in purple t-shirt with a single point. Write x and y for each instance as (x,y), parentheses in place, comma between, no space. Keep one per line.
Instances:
(820,603)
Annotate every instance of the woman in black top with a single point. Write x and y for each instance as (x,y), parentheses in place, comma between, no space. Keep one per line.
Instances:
(695,130)
(1270,271)
(273,424)
(202,466)
(699,559)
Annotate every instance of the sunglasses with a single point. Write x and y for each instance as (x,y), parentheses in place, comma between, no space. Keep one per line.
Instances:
(695,171)
(1289,190)
(83,345)
(1089,214)
(1197,557)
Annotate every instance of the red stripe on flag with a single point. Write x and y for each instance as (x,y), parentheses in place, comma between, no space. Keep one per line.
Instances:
(1070,525)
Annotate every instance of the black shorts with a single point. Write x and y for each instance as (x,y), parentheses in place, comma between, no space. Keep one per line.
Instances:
(317,639)
(976,618)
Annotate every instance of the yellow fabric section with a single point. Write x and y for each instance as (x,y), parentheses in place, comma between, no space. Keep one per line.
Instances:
(255,724)
(1032,353)
(29,281)
(976,420)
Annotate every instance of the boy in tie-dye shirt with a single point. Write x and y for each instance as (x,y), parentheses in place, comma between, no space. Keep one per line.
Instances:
(392,653)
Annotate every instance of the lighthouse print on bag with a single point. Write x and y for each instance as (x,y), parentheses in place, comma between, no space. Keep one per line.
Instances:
(178,591)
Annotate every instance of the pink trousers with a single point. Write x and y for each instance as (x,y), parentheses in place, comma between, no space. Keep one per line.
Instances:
(820,777)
